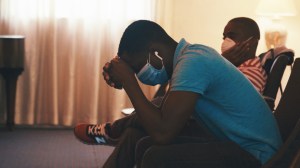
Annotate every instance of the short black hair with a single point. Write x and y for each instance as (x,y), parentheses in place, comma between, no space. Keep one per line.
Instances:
(249,26)
(139,34)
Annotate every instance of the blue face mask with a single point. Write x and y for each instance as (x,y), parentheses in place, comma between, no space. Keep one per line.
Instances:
(151,76)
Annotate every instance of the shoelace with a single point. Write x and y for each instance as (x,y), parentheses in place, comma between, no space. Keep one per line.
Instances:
(95,130)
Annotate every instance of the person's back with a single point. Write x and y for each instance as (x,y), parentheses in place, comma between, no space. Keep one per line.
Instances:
(229,105)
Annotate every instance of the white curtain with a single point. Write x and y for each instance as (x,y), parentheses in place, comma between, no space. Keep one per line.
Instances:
(67,43)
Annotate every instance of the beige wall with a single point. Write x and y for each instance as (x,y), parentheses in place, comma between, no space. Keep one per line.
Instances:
(202,21)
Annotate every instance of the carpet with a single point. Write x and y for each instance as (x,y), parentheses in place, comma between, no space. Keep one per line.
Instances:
(48,148)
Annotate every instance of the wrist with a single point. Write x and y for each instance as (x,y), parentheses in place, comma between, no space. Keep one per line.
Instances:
(131,82)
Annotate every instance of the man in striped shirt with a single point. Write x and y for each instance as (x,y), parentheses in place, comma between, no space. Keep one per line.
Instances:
(241,37)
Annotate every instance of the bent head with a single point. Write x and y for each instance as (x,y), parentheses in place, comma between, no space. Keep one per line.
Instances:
(145,42)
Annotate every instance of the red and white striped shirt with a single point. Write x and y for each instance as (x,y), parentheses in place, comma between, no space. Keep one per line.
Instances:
(254,71)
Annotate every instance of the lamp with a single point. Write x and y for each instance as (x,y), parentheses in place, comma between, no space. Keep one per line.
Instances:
(276,33)
(11,66)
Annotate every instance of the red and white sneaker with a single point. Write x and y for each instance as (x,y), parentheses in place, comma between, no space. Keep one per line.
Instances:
(94,134)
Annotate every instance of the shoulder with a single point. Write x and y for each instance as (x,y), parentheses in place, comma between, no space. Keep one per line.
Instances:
(253,66)
(197,68)
(201,50)
(255,62)
(198,54)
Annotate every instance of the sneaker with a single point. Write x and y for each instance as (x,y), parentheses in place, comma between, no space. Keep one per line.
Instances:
(93,134)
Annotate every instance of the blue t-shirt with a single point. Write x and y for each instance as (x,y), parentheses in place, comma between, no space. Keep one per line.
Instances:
(229,105)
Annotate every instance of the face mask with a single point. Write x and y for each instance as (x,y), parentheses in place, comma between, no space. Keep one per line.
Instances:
(151,76)
(227,44)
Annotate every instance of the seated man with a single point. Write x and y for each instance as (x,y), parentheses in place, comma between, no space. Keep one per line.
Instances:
(235,48)
(203,84)
(241,37)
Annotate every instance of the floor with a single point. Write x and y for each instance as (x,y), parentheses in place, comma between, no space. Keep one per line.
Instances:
(45,147)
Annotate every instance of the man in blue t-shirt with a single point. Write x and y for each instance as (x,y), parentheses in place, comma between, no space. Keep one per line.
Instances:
(202,84)
(229,105)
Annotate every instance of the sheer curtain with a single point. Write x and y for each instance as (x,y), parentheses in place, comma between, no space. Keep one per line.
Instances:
(67,44)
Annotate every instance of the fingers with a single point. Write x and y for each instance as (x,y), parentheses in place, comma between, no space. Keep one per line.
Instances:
(236,55)
(234,52)
(240,52)
(240,49)
(247,43)
(106,73)
(113,84)
(249,39)
(107,79)
(252,40)
(116,60)
(243,46)
(106,76)
(107,67)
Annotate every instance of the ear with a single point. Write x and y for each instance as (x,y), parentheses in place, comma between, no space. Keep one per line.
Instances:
(156,54)
(154,49)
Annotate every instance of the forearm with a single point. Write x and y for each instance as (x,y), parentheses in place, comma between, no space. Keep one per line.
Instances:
(149,115)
